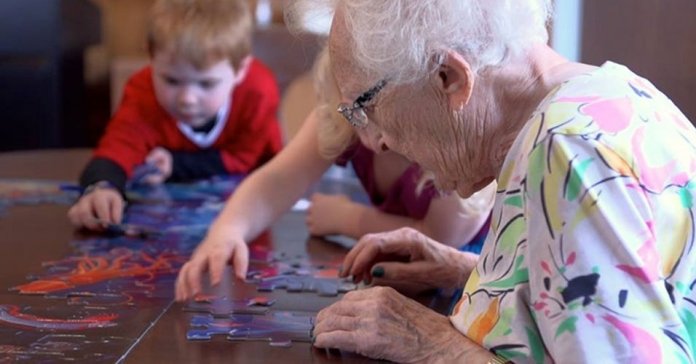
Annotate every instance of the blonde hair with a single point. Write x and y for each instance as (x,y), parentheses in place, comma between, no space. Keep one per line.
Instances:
(334,133)
(202,31)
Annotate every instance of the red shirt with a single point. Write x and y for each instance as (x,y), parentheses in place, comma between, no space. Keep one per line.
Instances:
(250,137)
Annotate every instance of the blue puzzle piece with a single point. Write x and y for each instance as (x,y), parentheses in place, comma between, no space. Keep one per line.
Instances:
(278,328)
(328,287)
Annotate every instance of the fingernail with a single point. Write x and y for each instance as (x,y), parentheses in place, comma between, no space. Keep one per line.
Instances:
(378,272)
(340,270)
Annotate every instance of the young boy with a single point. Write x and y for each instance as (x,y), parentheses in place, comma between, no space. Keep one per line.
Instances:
(202,107)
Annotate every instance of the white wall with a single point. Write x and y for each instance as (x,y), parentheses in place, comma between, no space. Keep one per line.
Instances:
(567,28)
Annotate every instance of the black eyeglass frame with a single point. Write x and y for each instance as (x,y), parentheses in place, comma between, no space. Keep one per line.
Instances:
(355,113)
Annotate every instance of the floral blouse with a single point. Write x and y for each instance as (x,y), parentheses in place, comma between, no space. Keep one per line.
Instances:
(591,255)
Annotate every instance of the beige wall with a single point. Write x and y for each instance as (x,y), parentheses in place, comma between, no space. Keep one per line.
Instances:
(124,24)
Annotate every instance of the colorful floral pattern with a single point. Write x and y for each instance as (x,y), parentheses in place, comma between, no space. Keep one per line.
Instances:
(591,253)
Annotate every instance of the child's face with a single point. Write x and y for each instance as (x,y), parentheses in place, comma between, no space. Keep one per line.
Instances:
(190,95)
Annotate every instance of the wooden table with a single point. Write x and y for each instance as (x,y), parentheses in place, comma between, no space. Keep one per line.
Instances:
(30,235)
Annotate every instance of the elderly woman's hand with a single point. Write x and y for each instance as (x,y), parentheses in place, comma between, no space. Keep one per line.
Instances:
(407,258)
(380,323)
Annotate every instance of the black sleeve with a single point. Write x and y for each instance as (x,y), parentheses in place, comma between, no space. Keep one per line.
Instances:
(102,169)
(196,165)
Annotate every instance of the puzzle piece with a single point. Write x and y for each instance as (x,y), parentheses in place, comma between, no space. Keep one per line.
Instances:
(119,292)
(14,316)
(79,348)
(299,274)
(87,270)
(51,348)
(327,287)
(281,264)
(214,189)
(34,192)
(223,307)
(140,172)
(280,328)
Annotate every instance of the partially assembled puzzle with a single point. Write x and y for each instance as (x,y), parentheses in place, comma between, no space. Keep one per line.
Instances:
(279,328)
(34,192)
(120,280)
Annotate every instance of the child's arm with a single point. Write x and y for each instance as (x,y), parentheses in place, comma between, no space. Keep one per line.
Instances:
(259,200)
(125,143)
(102,202)
(445,221)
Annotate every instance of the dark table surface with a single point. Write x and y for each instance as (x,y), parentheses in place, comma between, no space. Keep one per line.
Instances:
(33,234)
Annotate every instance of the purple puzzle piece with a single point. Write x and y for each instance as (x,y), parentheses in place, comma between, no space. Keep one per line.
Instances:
(280,328)
(328,287)
(223,307)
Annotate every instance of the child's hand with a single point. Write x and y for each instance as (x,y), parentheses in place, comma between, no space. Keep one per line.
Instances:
(162,159)
(329,213)
(97,209)
(212,255)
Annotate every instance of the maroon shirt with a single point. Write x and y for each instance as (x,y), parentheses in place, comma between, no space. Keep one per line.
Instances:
(402,198)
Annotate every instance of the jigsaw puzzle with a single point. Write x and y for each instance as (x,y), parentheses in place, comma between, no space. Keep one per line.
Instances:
(279,328)
(299,274)
(223,306)
(65,347)
(34,329)
(126,278)
(34,192)
(112,283)
(13,315)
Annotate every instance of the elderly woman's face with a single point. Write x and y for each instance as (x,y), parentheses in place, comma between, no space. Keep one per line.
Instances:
(402,118)
(413,120)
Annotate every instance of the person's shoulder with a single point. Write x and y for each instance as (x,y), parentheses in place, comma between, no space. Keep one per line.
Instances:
(141,78)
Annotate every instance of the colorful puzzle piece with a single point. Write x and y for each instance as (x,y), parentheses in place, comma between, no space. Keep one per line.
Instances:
(299,274)
(14,316)
(223,307)
(67,348)
(327,287)
(34,192)
(279,328)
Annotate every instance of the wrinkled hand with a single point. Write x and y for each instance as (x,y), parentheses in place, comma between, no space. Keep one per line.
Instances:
(163,160)
(407,260)
(97,209)
(219,247)
(380,323)
(328,213)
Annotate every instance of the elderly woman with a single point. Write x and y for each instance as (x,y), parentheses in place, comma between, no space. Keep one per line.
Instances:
(591,252)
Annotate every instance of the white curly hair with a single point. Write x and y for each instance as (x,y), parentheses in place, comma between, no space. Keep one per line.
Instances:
(400,38)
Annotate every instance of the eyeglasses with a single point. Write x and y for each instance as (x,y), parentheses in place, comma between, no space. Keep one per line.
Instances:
(355,113)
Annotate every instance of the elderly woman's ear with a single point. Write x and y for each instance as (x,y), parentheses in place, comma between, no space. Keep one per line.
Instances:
(456,79)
